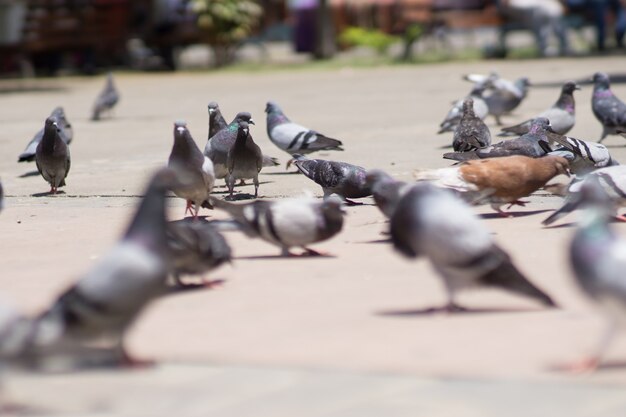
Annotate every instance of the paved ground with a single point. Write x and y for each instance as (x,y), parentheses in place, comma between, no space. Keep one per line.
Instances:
(329,336)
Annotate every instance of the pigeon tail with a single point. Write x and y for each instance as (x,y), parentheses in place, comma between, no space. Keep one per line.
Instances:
(569,206)
(460,156)
(508,277)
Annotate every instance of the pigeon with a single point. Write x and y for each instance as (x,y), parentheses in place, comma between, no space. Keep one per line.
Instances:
(598,258)
(217,123)
(194,170)
(583,156)
(341,178)
(294,138)
(386,190)
(611,179)
(505,96)
(106,100)
(53,156)
(471,133)
(244,159)
(453,117)
(288,222)
(432,222)
(65,131)
(218,146)
(102,305)
(497,181)
(216,120)
(195,247)
(562,114)
(533,144)
(608,109)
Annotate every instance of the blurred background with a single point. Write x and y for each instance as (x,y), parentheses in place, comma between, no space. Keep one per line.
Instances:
(52,37)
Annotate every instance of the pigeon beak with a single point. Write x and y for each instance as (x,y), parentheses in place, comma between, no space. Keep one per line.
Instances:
(251,122)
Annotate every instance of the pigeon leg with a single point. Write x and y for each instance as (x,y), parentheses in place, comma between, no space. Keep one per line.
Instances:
(188,208)
(590,364)
(242,182)
(196,209)
(605,133)
(498,121)
(256,186)
(453,307)
(286,253)
(288,164)
(620,217)
(518,203)
(230,183)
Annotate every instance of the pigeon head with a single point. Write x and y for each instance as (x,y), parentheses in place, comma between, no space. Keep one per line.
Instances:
(272,107)
(180,127)
(244,128)
(244,116)
(213,107)
(374,176)
(569,87)
(51,125)
(601,80)
(468,107)
(523,82)
(540,124)
(559,163)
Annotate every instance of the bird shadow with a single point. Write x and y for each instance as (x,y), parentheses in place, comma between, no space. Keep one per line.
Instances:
(47,194)
(614,146)
(567,368)
(445,147)
(441,310)
(560,226)
(375,241)
(282,173)
(488,216)
(192,286)
(280,256)
(29,174)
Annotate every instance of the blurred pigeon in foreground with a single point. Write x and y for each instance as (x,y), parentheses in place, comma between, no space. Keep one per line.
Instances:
(471,133)
(432,222)
(533,144)
(562,115)
(65,131)
(608,109)
(611,179)
(453,117)
(86,324)
(386,190)
(583,156)
(341,178)
(192,168)
(52,156)
(598,259)
(289,222)
(106,100)
(195,247)
(497,181)
(244,159)
(294,138)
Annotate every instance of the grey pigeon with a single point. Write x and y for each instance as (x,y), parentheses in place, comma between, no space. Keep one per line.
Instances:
(598,258)
(611,179)
(53,156)
(65,131)
(453,117)
(87,322)
(194,170)
(432,222)
(106,100)
(244,159)
(608,109)
(341,178)
(288,222)
(505,96)
(471,133)
(294,138)
(218,146)
(583,156)
(562,114)
(217,123)
(386,190)
(216,120)
(195,247)
(534,144)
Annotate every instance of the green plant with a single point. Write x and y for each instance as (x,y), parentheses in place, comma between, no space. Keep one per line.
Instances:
(371,38)
(224,24)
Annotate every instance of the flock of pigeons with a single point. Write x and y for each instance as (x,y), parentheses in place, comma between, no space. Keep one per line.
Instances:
(430,217)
